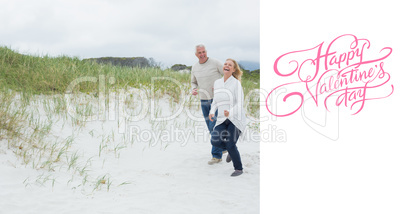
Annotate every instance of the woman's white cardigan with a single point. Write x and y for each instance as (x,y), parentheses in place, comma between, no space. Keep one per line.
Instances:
(229,96)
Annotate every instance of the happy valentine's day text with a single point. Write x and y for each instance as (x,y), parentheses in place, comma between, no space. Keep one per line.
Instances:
(345,71)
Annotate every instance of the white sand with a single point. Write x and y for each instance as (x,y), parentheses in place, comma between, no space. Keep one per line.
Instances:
(141,176)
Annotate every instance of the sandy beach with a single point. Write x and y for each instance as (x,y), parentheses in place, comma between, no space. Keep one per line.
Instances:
(116,166)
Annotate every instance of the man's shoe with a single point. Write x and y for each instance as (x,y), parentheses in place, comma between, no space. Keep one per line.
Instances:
(214,161)
(237,173)
(228,158)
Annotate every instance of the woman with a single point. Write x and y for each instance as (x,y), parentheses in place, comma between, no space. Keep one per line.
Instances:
(231,120)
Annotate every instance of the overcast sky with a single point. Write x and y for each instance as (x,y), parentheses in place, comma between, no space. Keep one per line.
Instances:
(166,30)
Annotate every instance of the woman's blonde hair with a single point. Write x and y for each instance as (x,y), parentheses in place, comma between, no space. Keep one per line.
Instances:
(238,72)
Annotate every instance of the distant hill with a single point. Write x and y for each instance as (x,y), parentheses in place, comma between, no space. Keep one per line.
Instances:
(141,62)
(249,65)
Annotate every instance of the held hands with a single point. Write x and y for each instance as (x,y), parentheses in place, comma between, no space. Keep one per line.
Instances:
(194,92)
(226,112)
(211,117)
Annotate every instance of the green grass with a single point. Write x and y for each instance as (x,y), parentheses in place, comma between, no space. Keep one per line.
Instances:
(52,75)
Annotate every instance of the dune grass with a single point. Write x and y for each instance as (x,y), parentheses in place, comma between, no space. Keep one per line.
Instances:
(52,75)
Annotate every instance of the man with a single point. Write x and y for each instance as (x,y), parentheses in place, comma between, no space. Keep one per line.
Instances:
(203,75)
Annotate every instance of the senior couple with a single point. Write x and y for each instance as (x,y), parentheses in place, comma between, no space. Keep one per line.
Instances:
(219,89)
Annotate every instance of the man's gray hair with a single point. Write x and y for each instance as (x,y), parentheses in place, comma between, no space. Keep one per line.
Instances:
(199,46)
